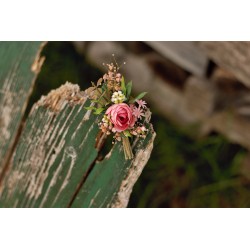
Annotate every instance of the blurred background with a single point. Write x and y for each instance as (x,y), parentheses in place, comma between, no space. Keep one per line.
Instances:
(199,96)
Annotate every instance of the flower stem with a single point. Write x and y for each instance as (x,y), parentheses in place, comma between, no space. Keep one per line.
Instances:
(127,148)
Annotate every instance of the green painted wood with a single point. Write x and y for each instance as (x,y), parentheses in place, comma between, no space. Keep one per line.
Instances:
(111,181)
(19,65)
(56,155)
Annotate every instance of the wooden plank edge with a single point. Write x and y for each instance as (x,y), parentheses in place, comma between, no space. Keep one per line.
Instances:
(35,68)
(141,159)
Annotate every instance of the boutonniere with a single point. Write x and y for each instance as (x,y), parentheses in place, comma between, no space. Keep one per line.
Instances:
(121,115)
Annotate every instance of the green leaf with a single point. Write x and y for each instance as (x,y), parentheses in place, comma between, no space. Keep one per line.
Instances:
(127,133)
(140,96)
(131,100)
(129,88)
(123,86)
(98,111)
(104,87)
(90,108)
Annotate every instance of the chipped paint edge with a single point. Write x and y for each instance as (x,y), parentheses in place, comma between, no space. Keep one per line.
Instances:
(122,197)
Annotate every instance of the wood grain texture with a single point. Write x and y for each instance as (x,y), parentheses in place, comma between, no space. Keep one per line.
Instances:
(56,156)
(185,54)
(232,56)
(19,65)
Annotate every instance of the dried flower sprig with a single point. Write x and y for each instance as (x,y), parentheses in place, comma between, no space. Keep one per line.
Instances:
(122,114)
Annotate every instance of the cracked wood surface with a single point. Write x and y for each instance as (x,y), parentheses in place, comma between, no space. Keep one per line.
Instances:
(19,65)
(55,161)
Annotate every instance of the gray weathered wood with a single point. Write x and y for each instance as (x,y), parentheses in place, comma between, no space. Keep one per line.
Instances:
(231,93)
(56,158)
(185,54)
(19,65)
(233,56)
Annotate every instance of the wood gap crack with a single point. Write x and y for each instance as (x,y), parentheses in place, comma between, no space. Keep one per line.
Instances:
(100,141)
(84,178)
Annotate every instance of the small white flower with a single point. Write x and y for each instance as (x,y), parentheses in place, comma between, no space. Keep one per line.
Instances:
(118,97)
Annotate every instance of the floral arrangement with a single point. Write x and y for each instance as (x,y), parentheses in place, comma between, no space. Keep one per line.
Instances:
(122,114)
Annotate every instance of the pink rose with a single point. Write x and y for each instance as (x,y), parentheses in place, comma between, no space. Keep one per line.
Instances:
(121,116)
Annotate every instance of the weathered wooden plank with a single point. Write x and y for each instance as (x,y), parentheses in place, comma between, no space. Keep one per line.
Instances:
(19,65)
(231,94)
(111,181)
(184,54)
(55,153)
(47,151)
(166,70)
(233,56)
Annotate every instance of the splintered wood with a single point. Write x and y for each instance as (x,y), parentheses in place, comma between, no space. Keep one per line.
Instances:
(56,164)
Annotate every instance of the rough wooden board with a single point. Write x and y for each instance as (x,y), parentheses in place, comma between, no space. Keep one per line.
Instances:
(233,56)
(166,69)
(231,94)
(19,65)
(55,152)
(111,181)
(184,54)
